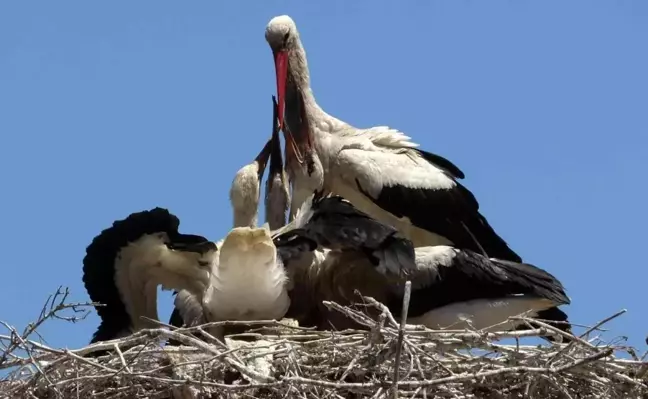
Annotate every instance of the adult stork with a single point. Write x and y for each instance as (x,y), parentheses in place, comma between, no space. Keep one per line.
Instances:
(380,170)
(451,287)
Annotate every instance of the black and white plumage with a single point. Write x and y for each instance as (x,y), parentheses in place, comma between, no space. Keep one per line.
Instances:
(378,169)
(451,288)
(276,256)
(237,278)
(455,287)
(126,262)
(255,287)
(335,225)
(275,259)
(293,253)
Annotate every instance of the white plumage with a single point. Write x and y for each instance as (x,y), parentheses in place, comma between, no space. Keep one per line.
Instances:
(237,278)
(246,189)
(380,170)
(249,282)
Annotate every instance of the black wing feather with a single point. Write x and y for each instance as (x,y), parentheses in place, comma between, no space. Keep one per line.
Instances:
(293,243)
(452,213)
(337,224)
(442,162)
(473,276)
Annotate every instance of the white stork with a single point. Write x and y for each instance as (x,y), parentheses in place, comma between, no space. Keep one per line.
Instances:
(344,250)
(451,287)
(125,263)
(378,169)
(245,189)
(238,278)
(244,197)
(331,249)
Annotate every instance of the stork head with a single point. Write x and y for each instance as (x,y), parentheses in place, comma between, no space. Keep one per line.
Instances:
(246,188)
(252,244)
(188,255)
(292,85)
(282,36)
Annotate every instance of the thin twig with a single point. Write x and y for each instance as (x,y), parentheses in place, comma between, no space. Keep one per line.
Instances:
(401,333)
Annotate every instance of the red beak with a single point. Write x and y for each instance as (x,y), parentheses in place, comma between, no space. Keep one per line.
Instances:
(281,67)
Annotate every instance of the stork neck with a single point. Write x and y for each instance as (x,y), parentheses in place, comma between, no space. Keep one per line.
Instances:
(299,85)
(245,217)
(300,76)
(137,283)
(138,294)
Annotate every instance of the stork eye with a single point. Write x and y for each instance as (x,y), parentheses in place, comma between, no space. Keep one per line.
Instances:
(203,263)
(286,37)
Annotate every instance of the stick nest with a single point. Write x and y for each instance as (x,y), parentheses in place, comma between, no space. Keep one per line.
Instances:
(281,360)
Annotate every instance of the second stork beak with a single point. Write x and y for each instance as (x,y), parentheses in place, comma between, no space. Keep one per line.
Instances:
(276,161)
(262,158)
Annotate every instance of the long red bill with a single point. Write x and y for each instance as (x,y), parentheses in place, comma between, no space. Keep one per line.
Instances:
(281,68)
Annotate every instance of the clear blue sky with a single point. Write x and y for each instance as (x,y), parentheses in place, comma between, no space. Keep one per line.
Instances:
(108,108)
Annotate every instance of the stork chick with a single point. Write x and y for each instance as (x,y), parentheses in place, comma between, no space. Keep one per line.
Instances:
(126,262)
(256,280)
(249,282)
(246,189)
(238,278)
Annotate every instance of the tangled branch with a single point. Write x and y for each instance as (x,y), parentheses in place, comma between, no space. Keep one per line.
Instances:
(276,359)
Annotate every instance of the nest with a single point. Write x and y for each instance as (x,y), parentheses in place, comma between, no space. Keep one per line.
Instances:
(282,360)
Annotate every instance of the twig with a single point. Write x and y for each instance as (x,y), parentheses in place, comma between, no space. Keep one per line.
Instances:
(308,364)
(121,358)
(600,323)
(401,333)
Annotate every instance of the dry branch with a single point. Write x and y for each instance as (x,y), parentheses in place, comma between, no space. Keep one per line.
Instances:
(279,360)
